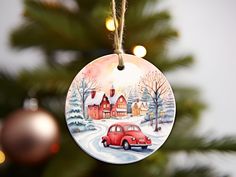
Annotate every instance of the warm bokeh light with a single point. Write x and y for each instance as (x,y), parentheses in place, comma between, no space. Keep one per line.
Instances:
(2,157)
(140,51)
(110,25)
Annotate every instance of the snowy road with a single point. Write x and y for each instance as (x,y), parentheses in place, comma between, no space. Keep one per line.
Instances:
(90,142)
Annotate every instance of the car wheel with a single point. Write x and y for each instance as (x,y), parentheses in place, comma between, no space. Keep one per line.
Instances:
(126,145)
(144,147)
(105,144)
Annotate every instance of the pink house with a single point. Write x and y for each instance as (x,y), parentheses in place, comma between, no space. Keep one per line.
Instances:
(99,106)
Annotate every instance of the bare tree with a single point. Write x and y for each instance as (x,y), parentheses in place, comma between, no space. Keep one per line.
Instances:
(85,85)
(155,84)
(126,91)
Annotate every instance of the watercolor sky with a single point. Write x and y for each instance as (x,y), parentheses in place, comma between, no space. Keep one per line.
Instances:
(104,71)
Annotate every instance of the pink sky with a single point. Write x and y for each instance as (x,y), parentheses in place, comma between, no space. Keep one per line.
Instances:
(104,71)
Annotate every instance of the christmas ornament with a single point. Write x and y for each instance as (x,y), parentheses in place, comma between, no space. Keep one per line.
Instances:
(2,155)
(120,114)
(29,135)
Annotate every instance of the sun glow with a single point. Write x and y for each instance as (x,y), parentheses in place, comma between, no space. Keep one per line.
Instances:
(129,76)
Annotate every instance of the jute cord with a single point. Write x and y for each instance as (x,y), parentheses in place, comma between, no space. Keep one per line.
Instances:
(119,32)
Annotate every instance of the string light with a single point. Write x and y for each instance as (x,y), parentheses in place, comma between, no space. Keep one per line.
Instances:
(140,51)
(2,157)
(110,24)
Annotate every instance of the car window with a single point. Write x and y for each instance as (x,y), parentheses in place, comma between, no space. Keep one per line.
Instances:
(132,128)
(118,129)
(113,129)
(136,128)
(129,128)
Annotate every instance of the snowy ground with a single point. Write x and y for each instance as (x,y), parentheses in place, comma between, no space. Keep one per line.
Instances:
(90,141)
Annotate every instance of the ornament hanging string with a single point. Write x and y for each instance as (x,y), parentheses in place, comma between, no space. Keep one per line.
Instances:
(119,32)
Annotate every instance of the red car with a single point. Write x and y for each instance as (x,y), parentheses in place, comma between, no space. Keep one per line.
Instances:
(127,135)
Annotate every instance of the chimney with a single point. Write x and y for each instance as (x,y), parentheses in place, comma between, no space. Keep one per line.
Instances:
(93,93)
(112,91)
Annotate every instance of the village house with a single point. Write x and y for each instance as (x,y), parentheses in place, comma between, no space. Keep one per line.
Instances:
(139,108)
(100,106)
(118,104)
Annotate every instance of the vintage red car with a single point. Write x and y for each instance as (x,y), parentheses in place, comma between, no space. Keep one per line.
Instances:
(127,135)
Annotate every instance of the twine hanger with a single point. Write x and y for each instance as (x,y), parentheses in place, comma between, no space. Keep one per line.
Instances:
(119,32)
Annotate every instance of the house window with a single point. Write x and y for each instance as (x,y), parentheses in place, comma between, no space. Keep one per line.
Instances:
(104,99)
(121,100)
(104,106)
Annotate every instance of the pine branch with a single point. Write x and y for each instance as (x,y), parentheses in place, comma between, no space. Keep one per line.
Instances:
(47,80)
(153,21)
(57,23)
(12,94)
(78,162)
(199,144)
(154,40)
(171,64)
(38,36)
(196,171)
(188,103)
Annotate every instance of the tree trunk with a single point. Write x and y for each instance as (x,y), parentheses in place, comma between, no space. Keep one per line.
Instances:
(156,117)
(83,109)
(83,106)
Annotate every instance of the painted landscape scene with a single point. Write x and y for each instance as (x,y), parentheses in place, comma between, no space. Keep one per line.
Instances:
(118,116)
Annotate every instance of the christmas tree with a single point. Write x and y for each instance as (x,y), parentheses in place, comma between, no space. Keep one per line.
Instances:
(55,27)
(74,106)
(130,101)
(145,96)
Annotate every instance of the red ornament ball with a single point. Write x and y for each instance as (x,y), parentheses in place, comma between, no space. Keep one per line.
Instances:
(30,136)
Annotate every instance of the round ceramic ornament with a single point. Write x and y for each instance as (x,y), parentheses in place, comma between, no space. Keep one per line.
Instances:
(120,116)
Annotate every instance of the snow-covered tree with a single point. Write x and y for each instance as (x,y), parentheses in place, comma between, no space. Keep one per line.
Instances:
(156,87)
(133,96)
(75,118)
(152,106)
(145,96)
(169,108)
(170,102)
(74,106)
(85,85)
(130,102)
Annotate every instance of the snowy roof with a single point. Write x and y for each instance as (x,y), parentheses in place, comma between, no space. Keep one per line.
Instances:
(73,119)
(121,110)
(114,99)
(139,104)
(96,100)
